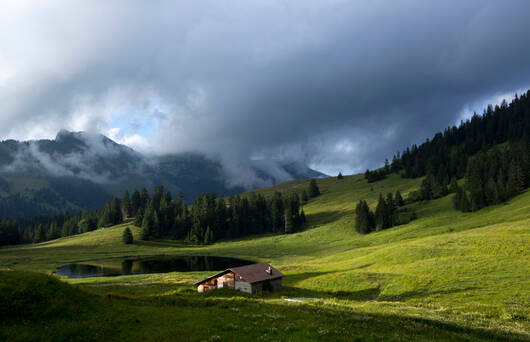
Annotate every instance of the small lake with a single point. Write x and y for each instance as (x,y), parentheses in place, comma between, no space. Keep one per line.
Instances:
(145,265)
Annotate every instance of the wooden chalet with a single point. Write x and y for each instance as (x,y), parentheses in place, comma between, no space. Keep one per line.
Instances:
(251,278)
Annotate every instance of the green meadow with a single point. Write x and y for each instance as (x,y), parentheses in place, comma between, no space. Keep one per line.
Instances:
(446,276)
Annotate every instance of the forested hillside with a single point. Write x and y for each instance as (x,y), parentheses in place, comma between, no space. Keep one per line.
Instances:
(490,151)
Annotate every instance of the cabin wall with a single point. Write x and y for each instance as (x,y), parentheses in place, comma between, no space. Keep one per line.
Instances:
(243,286)
(257,287)
(276,284)
(226,281)
(223,281)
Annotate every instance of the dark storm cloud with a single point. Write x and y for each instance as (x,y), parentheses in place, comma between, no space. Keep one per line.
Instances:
(338,84)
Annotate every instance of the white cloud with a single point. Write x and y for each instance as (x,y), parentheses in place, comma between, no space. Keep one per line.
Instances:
(135,141)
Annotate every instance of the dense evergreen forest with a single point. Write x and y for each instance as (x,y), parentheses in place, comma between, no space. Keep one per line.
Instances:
(208,219)
(491,152)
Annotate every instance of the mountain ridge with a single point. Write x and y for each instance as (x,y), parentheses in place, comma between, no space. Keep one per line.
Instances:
(37,176)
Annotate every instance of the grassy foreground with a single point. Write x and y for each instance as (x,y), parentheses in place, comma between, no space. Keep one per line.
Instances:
(447,276)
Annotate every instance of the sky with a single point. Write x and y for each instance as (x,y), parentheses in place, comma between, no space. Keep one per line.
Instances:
(339,85)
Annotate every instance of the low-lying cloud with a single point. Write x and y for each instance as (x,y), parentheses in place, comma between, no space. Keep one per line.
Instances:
(87,156)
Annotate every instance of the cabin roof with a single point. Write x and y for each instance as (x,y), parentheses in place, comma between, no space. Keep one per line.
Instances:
(253,273)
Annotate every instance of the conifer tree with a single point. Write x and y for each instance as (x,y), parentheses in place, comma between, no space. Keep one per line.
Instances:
(399,199)
(115,211)
(390,203)
(427,188)
(339,176)
(136,202)
(144,197)
(105,218)
(364,218)
(139,218)
(515,179)
(209,236)
(147,224)
(313,190)
(382,214)
(126,207)
(127,236)
(453,187)
(490,192)
(302,216)
(277,212)
(305,198)
(39,234)
(289,222)
(465,205)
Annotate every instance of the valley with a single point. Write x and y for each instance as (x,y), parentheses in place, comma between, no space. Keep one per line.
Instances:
(447,275)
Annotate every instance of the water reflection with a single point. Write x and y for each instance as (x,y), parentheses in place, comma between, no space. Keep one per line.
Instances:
(159,264)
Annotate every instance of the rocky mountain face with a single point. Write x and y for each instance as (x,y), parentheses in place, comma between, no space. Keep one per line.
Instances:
(78,170)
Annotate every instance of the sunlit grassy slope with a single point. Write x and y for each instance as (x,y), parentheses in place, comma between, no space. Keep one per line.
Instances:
(466,274)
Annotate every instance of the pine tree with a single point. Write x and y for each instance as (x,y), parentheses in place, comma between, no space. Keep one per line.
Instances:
(465,206)
(427,188)
(339,176)
(501,188)
(115,211)
(491,193)
(515,179)
(127,236)
(390,202)
(399,199)
(277,212)
(136,202)
(289,222)
(139,218)
(105,218)
(144,198)
(313,190)
(126,207)
(302,216)
(305,198)
(39,234)
(454,185)
(209,236)
(382,214)
(147,224)
(364,218)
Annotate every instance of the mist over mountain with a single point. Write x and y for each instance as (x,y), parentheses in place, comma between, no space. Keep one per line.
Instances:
(78,170)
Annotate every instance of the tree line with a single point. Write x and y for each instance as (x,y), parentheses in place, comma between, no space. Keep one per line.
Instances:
(208,219)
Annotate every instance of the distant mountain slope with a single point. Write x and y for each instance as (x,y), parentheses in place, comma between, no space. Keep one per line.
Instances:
(79,170)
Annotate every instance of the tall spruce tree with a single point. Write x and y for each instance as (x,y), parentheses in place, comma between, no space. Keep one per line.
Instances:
(399,199)
(313,189)
(126,207)
(209,236)
(127,236)
(289,221)
(148,223)
(364,218)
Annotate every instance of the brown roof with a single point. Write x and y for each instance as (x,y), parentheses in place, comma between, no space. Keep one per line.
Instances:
(253,273)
